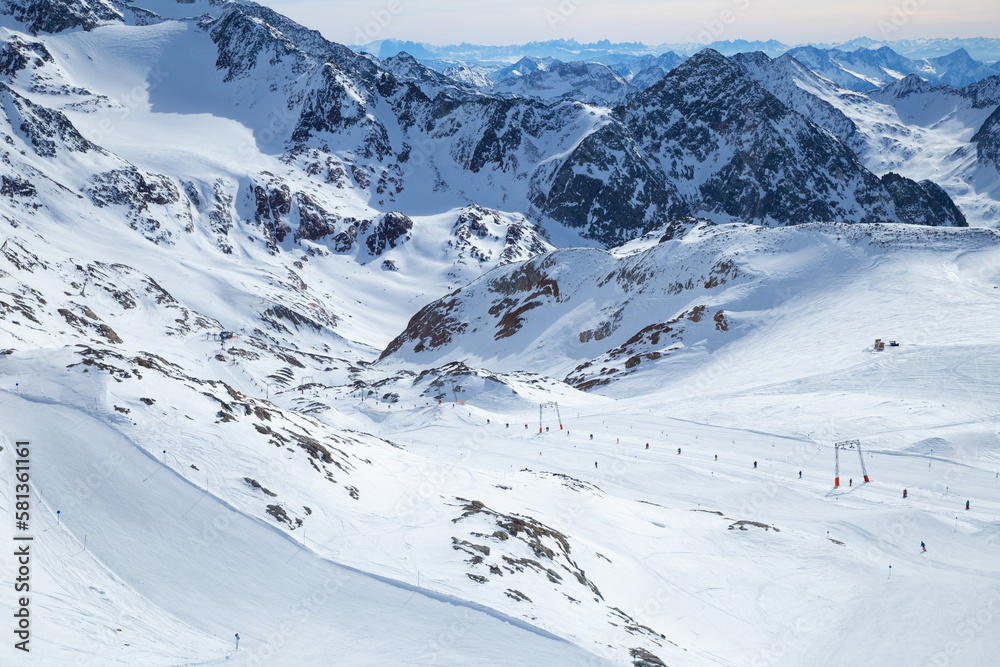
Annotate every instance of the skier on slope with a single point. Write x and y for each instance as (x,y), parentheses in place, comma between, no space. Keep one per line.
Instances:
(966,504)
(904,493)
(923,546)
(754,465)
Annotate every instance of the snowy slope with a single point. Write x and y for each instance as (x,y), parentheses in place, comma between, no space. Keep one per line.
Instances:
(237,573)
(599,318)
(502,522)
(239,173)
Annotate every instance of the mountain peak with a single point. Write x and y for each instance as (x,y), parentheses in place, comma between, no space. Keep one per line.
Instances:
(911,84)
(52,16)
(705,79)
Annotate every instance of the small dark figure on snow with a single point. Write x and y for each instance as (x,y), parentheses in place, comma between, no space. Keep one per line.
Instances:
(716,457)
(850,482)
(754,465)
(800,474)
(923,546)
(647,445)
(591,436)
(966,504)
(595,464)
(678,450)
(904,493)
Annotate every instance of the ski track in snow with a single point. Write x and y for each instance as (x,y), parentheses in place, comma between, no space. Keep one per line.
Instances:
(218,570)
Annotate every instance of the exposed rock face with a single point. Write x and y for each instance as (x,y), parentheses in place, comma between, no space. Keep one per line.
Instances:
(923,203)
(760,161)
(609,189)
(708,138)
(272,200)
(17,54)
(987,140)
(984,94)
(390,230)
(54,16)
(432,327)
(140,195)
(784,77)
(46,130)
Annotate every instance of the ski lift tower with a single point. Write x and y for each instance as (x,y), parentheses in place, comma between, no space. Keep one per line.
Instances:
(541,407)
(847,444)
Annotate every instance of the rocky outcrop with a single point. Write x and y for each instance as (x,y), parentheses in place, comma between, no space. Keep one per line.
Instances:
(923,203)
(987,140)
(54,16)
(390,230)
(609,190)
(47,131)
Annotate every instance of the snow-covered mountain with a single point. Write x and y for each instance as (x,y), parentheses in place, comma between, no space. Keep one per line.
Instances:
(980,48)
(406,138)
(911,127)
(800,88)
(867,69)
(431,83)
(861,63)
(278,318)
(709,139)
(590,83)
(472,75)
(523,67)
(603,51)
(646,71)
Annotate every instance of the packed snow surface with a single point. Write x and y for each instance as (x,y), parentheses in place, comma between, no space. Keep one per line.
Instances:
(615,456)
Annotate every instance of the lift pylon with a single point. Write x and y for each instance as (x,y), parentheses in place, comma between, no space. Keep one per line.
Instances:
(847,444)
(541,407)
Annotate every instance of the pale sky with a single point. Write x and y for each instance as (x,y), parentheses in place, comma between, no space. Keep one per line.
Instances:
(650,21)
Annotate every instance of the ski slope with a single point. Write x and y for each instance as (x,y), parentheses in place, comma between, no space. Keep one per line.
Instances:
(212,572)
(334,506)
(455,532)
